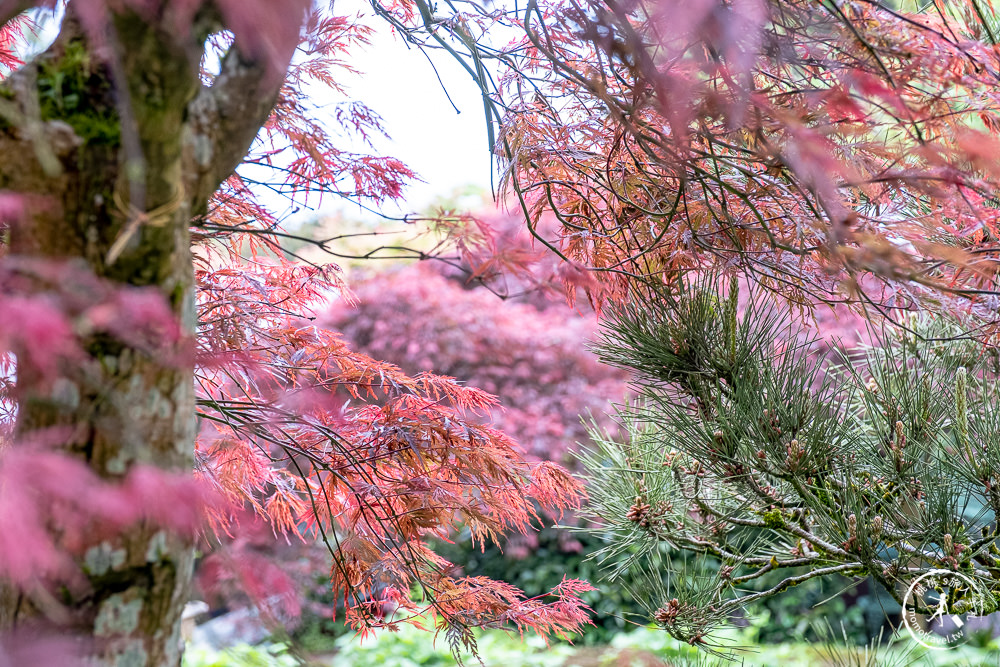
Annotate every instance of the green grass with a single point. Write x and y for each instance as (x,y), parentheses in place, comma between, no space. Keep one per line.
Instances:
(410,647)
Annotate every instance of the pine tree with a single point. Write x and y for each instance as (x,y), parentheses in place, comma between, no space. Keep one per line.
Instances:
(750,451)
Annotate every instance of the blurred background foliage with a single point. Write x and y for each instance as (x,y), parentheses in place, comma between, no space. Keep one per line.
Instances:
(531,349)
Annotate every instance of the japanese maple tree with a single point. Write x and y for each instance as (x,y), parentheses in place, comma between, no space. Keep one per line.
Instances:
(829,151)
(149,332)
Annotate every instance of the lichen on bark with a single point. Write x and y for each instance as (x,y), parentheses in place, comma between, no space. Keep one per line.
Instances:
(104,144)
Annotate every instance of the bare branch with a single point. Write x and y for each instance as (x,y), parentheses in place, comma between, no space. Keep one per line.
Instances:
(225,118)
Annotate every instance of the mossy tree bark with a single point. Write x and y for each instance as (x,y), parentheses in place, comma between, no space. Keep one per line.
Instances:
(98,140)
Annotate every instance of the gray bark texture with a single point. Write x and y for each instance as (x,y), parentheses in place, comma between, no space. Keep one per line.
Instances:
(96,138)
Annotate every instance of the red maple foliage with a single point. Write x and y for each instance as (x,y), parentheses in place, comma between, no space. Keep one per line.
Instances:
(373,477)
(840,152)
(404,460)
(830,151)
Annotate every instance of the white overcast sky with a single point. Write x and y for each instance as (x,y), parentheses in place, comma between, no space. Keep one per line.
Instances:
(447,149)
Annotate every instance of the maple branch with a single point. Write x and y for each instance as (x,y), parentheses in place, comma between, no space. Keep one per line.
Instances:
(226,117)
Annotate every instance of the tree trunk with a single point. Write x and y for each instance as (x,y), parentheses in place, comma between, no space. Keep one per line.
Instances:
(121,405)
(95,157)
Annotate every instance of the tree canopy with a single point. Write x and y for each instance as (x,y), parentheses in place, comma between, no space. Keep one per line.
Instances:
(829,151)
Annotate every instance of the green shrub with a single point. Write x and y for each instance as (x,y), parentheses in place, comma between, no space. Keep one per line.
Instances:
(554,553)
(861,610)
(317,630)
